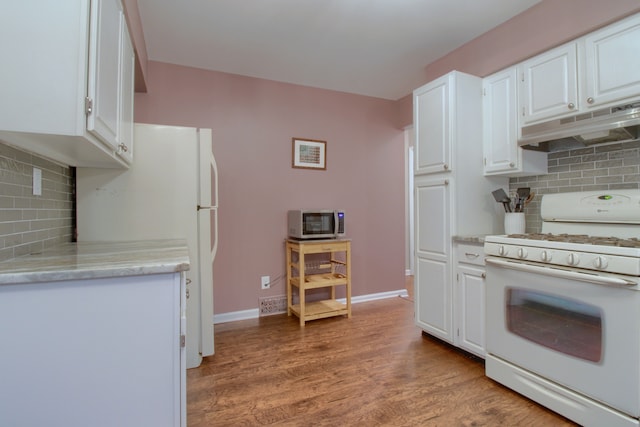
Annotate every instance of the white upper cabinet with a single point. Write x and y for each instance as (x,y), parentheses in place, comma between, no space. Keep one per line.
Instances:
(63,78)
(549,85)
(500,127)
(612,63)
(502,156)
(597,70)
(431,104)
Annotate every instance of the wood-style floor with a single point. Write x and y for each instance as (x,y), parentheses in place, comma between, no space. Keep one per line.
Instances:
(375,369)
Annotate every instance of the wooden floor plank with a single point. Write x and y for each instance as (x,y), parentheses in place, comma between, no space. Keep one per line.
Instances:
(375,369)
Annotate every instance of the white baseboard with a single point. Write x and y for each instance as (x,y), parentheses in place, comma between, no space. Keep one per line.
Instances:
(236,315)
(373,297)
(255,313)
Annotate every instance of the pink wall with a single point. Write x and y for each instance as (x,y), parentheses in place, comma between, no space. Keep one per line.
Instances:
(253,121)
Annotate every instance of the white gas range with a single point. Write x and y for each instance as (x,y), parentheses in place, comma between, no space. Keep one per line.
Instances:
(563,308)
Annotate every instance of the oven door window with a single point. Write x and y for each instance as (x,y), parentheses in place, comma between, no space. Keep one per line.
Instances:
(559,323)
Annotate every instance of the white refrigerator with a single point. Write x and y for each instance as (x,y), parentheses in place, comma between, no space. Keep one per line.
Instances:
(169,192)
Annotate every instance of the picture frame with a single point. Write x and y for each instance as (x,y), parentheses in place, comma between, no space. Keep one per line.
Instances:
(309,153)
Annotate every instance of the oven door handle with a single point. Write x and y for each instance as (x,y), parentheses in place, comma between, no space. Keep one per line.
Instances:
(566,274)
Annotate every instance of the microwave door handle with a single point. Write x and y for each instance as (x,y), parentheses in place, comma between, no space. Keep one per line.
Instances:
(556,272)
(335,224)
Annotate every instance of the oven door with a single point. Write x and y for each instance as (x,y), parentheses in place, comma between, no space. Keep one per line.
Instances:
(576,329)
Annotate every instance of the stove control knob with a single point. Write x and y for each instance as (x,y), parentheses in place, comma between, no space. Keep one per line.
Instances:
(545,256)
(522,253)
(502,251)
(573,259)
(600,262)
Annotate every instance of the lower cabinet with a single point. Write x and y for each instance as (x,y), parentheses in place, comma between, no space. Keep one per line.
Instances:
(433,256)
(469,298)
(94,352)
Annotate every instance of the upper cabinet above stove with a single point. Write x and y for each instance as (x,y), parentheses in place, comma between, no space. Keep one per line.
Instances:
(612,61)
(67,86)
(549,85)
(597,70)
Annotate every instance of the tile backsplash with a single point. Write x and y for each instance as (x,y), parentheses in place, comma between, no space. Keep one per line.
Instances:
(600,167)
(30,223)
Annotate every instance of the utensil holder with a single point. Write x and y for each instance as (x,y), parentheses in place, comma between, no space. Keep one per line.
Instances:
(514,223)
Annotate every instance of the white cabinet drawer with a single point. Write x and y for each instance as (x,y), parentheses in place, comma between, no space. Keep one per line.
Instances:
(470,253)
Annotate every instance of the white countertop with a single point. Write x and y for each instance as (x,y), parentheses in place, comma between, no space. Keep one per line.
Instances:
(92,260)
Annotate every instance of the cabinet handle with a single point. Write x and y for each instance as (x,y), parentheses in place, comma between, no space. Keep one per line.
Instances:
(590,100)
(446,182)
(122,148)
(483,275)
(511,165)
(471,255)
(446,166)
(571,106)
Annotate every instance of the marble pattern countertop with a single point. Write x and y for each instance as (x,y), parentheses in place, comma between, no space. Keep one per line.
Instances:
(479,239)
(93,260)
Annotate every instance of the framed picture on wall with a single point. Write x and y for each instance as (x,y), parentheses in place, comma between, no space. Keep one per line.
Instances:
(309,154)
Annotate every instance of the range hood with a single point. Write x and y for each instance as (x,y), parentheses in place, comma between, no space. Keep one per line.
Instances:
(619,123)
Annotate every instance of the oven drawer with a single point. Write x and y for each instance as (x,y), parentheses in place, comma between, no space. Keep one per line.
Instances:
(470,254)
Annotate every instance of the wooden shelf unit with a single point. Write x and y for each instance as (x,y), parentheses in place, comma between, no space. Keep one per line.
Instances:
(330,273)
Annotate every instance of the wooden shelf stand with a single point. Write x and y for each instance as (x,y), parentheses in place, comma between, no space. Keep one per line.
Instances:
(325,274)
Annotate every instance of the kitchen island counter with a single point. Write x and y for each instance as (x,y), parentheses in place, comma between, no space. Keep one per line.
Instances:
(100,328)
(94,260)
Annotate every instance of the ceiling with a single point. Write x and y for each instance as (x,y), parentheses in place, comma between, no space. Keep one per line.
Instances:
(377,48)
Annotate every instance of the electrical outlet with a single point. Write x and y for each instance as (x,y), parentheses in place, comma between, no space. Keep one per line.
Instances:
(265,282)
(37,182)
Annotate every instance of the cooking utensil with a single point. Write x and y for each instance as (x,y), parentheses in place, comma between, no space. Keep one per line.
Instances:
(521,195)
(502,197)
(529,198)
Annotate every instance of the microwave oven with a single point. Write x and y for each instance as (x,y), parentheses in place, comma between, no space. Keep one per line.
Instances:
(315,224)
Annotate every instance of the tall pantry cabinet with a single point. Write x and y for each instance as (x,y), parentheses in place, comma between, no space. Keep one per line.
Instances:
(451,194)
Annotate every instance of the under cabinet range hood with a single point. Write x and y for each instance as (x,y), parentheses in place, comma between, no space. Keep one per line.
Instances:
(619,123)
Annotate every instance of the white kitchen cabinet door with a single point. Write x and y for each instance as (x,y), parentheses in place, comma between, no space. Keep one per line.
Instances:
(432,121)
(548,86)
(470,331)
(612,61)
(104,70)
(502,156)
(127,89)
(433,303)
(95,352)
(500,127)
